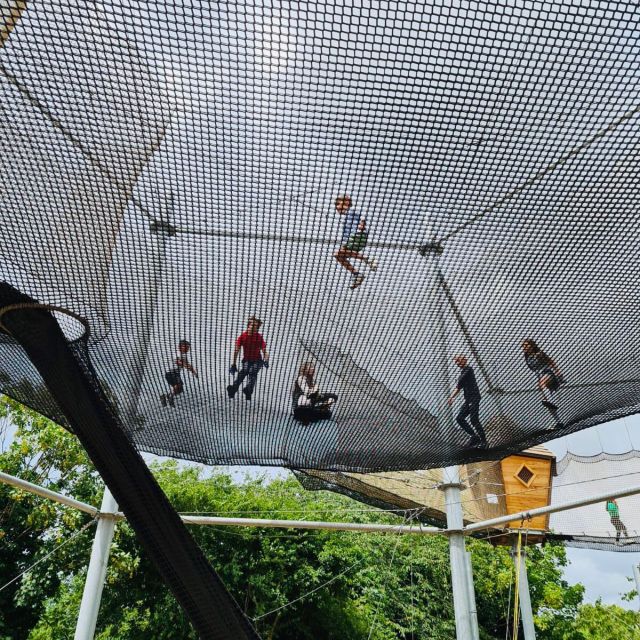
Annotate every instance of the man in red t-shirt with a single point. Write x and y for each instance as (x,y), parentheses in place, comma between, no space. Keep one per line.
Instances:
(254,357)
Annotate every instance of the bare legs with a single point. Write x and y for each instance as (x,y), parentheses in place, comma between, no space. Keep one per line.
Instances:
(342,255)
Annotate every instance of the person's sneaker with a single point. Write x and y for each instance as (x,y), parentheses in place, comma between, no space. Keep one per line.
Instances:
(247,394)
(171,400)
(373,264)
(474,442)
(163,399)
(231,391)
(358,279)
(549,405)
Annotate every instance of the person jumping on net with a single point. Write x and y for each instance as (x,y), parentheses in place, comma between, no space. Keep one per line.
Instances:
(309,405)
(174,375)
(614,513)
(471,406)
(547,373)
(353,241)
(254,357)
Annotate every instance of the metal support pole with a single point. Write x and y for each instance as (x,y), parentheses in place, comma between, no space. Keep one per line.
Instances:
(495,523)
(526,612)
(23,485)
(451,486)
(90,605)
(636,575)
(473,610)
(457,555)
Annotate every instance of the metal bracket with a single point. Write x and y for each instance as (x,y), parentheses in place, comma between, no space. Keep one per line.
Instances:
(159,226)
(431,248)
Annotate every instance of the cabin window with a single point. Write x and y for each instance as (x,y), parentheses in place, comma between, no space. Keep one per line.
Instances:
(525,475)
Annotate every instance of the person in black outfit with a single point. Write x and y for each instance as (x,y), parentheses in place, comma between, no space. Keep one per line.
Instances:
(471,405)
(309,405)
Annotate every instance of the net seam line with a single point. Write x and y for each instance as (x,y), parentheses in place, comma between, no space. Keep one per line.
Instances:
(93,160)
(543,172)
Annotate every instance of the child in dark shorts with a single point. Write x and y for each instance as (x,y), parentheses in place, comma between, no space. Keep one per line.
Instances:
(174,375)
(353,241)
(547,373)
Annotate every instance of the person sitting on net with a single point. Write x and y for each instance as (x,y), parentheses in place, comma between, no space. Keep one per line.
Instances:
(353,240)
(614,513)
(309,404)
(174,375)
(471,406)
(547,374)
(253,349)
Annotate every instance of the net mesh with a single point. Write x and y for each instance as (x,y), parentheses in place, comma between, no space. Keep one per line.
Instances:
(600,525)
(170,170)
(69,375)
(491,493)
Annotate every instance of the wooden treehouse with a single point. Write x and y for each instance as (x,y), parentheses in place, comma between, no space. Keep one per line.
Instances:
(520,482)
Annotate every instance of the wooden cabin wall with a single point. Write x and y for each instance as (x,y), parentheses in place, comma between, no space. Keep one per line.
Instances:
(521,498)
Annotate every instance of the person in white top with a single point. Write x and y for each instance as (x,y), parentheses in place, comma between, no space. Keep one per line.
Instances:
(174,375)
(309,404)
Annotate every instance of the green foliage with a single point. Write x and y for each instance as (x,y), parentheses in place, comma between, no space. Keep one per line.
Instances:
(334,584)
(596,622)
(30,527)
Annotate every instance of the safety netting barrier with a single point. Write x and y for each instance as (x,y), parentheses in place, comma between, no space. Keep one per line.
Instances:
(610,524)
(496,489)
(281,222)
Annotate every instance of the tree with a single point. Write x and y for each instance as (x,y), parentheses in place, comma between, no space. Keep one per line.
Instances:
(297,584)
(606,622)
(42,453)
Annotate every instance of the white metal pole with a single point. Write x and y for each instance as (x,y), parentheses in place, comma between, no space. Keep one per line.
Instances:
(473,613)
(96,573)
(47,493)
(459,578)
(636,575)
(451,488)
(414,529)
(494,523)
(526,612)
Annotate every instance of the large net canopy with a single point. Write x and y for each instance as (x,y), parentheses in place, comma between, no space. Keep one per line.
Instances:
(383,185)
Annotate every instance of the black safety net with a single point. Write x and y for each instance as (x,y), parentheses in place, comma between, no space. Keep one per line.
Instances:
(383,185)
(606,524)
(67,371)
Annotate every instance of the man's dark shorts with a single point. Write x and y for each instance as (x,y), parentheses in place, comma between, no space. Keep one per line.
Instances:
(173,377)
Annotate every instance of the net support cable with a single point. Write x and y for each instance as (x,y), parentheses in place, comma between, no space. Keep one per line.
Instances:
(536,177)
(423,247)
(89,155)
(417,528)
(72,382)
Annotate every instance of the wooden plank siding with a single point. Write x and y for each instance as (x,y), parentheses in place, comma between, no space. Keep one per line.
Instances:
(522,498)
